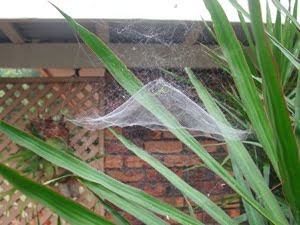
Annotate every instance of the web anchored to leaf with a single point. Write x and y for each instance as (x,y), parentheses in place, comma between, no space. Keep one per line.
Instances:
(191,116)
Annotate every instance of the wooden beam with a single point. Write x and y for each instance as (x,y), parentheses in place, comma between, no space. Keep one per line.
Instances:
(84,72)
(54,80)
(45,72)
(102,31)
(193,34)
(66,55)
(10,31)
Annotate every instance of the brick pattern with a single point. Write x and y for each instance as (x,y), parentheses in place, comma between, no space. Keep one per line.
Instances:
(121,164)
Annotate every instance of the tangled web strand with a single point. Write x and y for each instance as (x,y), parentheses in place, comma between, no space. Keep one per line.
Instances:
(190,115)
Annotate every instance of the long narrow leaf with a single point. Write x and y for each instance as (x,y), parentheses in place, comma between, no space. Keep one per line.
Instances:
(137,211)
(254,218)
(128,81)
(286,147)
(217,57)
(240,156)
(277,32)
(277,43)
(290,66)
(71,211)
(248,34)
(200,199)
(232,115)
(293,59)
(238,7)
(289,33)
(286,12)
(269,18)
(242,77)
(118,218)
(85,171)
(297,111)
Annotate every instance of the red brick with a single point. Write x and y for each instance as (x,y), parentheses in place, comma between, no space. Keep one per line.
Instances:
(113,162)
(157,189)
(178,171)
(210,187)
(152,135)
(181,160)
(153,175)
(232,205)
(158,157)
(175,201)
(47,222)
(172,222)
(233,212)
(210,145)
(109,217)
(163,146)
(207,219)
(168,135)
(199,216)
(199,174)
(132,220)
(134,162)
(138,184)
(112,147)
(109,136)
(125,176)
(218,188)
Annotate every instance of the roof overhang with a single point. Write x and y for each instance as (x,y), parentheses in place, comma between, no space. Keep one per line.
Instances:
(45,40)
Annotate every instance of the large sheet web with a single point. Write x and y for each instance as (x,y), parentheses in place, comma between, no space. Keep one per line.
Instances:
(190,115)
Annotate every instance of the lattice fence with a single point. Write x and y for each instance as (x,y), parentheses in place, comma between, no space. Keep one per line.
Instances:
(35,100)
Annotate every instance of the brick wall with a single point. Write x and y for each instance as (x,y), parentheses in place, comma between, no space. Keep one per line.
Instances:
(128,168)
(121,164)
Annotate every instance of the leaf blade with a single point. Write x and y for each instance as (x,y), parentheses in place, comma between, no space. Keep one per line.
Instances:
(243,164)
(197,197)
(137,211)
(286,147)
(242,77)
(70,210)
(85,171)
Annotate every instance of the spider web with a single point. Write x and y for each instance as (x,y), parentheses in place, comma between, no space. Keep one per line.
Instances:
(164,46)
(191,116)
(157,55)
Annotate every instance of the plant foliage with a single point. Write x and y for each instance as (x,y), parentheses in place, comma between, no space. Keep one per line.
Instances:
(265,98)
